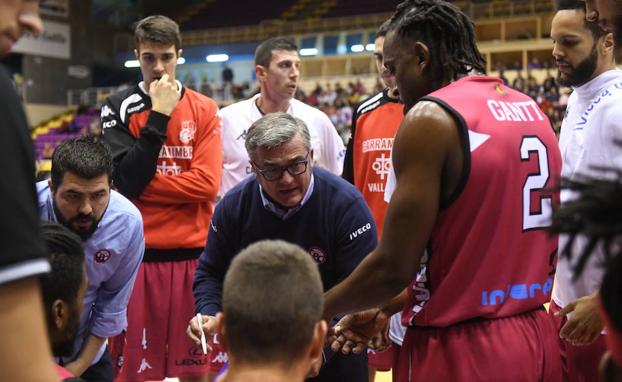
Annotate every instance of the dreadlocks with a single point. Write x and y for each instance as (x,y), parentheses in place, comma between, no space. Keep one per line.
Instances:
(596,214)
(446,30)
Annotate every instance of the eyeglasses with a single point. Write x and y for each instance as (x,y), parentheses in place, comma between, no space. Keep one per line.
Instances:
(274,173)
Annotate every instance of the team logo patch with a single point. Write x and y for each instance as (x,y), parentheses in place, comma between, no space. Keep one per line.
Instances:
(102,255)
(318,255)
(188,128)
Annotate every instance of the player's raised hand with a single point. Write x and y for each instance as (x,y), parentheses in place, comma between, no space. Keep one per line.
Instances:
(354,331)
(164,95)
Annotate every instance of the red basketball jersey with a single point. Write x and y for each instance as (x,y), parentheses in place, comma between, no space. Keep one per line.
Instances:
(374,127)
(490,254)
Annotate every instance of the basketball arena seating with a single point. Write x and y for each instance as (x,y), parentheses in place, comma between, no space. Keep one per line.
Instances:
(49,134)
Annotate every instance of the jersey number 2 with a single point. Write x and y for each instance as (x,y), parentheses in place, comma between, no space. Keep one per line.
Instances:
(536,181)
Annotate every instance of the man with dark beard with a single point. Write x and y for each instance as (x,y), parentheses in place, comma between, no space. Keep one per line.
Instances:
(584,53)
(111,228)
(63,289)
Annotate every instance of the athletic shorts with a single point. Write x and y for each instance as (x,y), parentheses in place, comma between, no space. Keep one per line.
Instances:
(579,363)
(155,344)
(381,361)
(521,348)
(396,358)
(218,357)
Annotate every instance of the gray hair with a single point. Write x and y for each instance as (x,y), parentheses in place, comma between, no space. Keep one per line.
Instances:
(274,129)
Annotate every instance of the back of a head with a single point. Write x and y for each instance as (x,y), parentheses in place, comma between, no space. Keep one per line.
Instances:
(87,157)
(66,257)
(447,31)
(263,53)
(272,300)
(159,30)
(384,29)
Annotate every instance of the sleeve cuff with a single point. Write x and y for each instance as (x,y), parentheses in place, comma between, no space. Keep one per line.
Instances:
(108,324)
(159,122)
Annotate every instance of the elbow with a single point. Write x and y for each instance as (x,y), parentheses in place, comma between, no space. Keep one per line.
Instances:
(211,186)
(212,191)
(395,277)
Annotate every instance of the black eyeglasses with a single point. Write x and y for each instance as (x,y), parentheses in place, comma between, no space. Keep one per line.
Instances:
(274,173)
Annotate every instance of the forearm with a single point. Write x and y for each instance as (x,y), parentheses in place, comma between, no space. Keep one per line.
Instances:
(189,187)
(396,304)
(135,165)
(207,290)
(372,284)
(88,353)
(24,334)
(200,182)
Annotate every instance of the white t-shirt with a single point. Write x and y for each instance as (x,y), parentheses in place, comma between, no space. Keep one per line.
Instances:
(593,121)
(328,148)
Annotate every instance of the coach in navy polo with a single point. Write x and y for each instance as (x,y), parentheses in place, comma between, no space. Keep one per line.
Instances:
(287,199)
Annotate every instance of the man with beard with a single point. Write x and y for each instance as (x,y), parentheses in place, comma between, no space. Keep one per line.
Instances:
(584,53)
(24,346)
(63,289)
(79,196)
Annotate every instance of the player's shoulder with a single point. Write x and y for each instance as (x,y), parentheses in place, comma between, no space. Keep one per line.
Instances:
(372,102)
(195,96)
(337,189)
(238,196)
(302,110)
(237,107)
(130,94)
(612,93)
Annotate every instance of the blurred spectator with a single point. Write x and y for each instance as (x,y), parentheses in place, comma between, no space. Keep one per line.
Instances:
(534,63)
(227,75)
(206,88)
(519,83)
(503,78)
(48,150)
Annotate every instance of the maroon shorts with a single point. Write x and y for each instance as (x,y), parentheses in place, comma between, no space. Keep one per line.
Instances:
(579,363)
(396,358)
(155,344)
(381,361)
(218,357)
(521,348)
